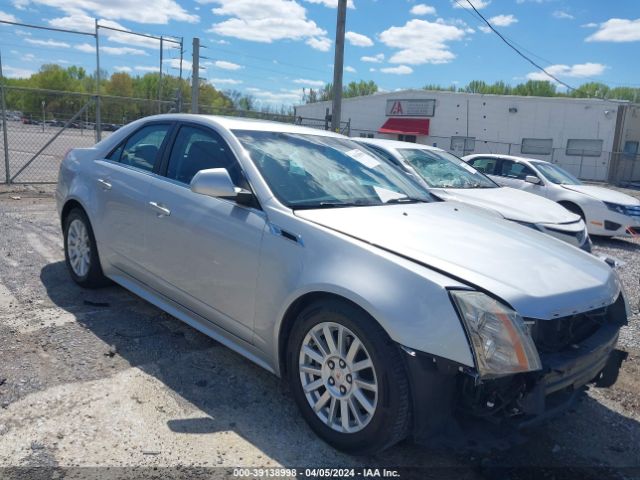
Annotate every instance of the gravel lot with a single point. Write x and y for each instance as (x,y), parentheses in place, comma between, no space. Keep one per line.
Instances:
(101,378)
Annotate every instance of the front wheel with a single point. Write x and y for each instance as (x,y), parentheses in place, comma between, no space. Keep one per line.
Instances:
(348,379)
(81,252)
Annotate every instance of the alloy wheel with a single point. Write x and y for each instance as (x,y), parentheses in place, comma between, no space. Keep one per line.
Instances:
(338,377)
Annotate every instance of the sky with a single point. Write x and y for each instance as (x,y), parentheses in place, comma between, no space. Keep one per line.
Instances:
(272,49)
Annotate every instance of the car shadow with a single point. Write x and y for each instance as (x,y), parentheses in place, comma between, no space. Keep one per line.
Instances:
(618,243)
(237,396)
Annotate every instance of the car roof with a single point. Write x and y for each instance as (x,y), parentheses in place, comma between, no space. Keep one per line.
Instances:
(240,123)
(503,157)
(383,142)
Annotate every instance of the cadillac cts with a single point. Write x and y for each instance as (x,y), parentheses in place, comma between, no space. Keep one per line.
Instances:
(389,313)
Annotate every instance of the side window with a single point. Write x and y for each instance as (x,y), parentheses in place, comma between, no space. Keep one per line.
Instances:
(143,147)
(198,149)
(517,171)
(484,164)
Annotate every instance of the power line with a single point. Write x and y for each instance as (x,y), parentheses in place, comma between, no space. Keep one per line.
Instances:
(515,49)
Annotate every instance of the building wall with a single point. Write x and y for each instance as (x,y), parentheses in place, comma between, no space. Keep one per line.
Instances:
(497,129)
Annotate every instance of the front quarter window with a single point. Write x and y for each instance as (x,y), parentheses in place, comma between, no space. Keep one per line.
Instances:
(317,171)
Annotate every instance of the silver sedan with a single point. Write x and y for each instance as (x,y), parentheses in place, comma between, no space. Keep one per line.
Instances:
(389,313)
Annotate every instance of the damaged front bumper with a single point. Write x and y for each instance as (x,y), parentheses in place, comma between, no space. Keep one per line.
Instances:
(446,395)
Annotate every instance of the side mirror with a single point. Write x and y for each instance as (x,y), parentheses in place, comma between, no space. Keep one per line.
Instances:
(213,182)
(532,179)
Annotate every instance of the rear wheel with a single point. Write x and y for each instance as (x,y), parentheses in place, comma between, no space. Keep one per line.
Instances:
(80,251)
(348,379)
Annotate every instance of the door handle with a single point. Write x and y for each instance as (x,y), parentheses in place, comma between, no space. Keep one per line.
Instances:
(106,185)
(160,209)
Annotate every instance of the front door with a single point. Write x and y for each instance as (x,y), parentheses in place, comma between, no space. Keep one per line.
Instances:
(204,252)
(122,181)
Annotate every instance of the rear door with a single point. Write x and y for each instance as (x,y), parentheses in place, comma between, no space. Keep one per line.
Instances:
(123,179)
(204,252)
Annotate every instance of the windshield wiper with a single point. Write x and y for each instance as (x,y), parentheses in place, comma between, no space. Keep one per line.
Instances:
(320,205)
(405,200)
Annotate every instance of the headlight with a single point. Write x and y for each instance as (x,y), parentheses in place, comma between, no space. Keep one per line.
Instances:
(616,207)
(501,343)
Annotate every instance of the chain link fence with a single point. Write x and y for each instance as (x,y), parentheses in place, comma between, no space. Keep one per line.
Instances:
(41,126)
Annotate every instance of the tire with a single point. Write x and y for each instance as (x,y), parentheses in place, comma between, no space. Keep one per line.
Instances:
(389,416)
(86,270)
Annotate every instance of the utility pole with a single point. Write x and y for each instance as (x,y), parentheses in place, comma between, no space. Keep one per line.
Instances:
(195,75)
(338,66)
(160,78)
(180,76)
(98,118)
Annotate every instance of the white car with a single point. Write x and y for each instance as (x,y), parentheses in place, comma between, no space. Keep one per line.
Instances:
(451,179)
(606,212)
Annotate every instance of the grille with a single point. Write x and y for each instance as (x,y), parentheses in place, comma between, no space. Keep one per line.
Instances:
(559,334)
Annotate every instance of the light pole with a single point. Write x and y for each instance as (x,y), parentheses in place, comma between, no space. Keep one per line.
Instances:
(43,119)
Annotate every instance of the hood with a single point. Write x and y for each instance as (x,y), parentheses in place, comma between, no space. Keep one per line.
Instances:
(512,204)
(604,194)
(539,276)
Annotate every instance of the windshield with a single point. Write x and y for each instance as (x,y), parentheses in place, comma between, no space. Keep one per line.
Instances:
(444,170)
(316,171)
(556,174)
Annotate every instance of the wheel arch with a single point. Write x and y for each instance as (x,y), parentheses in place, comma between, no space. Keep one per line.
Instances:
(69,205)
(573,207)
(294,309)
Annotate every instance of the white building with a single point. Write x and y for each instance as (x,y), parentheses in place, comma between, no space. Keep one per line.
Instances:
(586,136)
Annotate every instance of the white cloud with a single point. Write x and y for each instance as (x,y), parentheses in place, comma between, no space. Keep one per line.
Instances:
(14,72)
(267,21)
(157,11)
(7,17)
(498,21)
(349,69)
(319,43)
(123,68)
(399,70)
(358,40)
(225,81)
(88,48)
(379,58)
(617,30)
(174,63)
(589,25)
(282,96)
(422,9)
(562,15)
(227,65)
(47,43)
(309,83)
(420,41)
(85,23)
(142,68)
(503,20)
(580,70)
(372,69)
(220,42)
(331,3)
(479,4)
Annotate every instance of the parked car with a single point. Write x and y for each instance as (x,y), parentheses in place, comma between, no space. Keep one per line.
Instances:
(606,212)
(388,313)
(451,179)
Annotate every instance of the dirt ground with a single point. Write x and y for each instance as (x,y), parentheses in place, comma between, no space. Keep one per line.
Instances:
(104,379)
